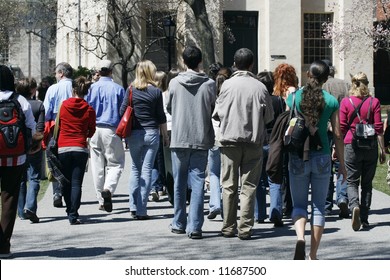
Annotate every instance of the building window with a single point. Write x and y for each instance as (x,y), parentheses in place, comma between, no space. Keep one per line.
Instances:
(156,42)
(315,46)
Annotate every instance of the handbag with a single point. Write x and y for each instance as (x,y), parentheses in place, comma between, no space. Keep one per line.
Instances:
(53,163)
(124,127)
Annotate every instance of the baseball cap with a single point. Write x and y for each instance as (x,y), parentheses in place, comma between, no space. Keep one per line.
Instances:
(105,65)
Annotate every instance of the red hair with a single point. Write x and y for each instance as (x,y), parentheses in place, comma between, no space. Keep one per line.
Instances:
(284,77)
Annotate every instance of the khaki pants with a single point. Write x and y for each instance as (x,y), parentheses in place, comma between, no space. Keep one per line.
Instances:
(242,162)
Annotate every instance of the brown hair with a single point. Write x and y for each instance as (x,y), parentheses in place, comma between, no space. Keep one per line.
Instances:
(285,76)
(81,86)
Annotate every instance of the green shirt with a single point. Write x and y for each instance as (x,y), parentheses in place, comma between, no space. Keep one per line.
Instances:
(331,106)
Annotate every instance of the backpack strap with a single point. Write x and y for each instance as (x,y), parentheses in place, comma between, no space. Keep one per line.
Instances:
(356,112)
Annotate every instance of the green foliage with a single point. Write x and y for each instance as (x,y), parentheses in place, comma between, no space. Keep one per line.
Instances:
(81,71)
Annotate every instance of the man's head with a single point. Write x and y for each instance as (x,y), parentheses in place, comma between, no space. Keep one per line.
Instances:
(331,67)
(243,59)
(105,67)
(192,57)
(64,70)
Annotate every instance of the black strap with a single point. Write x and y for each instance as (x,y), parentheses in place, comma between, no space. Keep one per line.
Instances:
(357,110)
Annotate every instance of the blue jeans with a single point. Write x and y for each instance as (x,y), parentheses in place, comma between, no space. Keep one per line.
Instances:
(28,195)
(158,171)
(276,201)
(341,188)
(188,166)
(73,168)
(214,161)
(143,146)
(314,173)
(261,190)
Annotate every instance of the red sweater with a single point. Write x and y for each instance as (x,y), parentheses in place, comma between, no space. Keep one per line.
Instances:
(346,111)
(77,123)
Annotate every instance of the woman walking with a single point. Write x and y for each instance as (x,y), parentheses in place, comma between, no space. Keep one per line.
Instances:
(318,107)
(77,122)
(361,163)
(148,121)
(27,203)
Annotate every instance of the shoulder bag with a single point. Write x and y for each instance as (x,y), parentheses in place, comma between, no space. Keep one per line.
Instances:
(124,127)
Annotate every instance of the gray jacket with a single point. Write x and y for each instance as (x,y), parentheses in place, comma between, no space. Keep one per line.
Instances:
(191,102)
(243,107)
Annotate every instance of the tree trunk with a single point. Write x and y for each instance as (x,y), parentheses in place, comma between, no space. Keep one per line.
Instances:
(206,40)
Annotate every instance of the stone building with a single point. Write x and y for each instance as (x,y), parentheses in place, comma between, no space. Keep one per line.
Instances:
(30,51)
(276,31)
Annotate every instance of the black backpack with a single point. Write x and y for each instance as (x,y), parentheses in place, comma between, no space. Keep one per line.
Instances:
(14,135)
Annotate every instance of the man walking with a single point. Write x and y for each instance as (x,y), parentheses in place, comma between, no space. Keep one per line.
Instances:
(107,152)
(55,94)
(191,102)
(243,107)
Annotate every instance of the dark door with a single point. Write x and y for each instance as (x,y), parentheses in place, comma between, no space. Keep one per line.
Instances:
(243,27)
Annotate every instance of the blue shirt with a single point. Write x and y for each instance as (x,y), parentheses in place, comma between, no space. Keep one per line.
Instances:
(55,95)
(106,96)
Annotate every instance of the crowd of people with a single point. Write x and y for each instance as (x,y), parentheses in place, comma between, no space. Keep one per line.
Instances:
(223,129)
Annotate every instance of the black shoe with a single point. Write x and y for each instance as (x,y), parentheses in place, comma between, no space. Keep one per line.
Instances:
(178,231)
(107,204)
(195,235)
(300,250)
(228,235)
(146,217)
(31,216)
(133,214)
(344,212)
(278,223)
(328,212)
(101,208)
(57,201)
(213,214)
(76,222)
(261,221)
(365,224)
(244,237)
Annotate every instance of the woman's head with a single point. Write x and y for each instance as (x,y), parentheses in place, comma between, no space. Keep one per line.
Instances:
(359,85)
(81,86)
(26,87)
(313,103)
(318,72)
(145,73)
(285,76)
(223,74)
(266,77)
(161,80)
(7,81)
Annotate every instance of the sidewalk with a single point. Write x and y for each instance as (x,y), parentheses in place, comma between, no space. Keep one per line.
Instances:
(115,236)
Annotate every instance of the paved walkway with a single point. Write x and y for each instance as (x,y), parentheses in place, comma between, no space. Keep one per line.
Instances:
(115,236)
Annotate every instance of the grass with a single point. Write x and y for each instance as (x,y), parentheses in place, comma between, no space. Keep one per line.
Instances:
(44,185)
(379,183)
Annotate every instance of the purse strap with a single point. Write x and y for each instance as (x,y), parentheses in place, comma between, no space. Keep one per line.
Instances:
(293,109)
(131,96)
(57,123)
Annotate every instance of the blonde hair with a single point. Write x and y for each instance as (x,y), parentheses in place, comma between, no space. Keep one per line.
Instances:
(359,86)
(144,74)
(161,80)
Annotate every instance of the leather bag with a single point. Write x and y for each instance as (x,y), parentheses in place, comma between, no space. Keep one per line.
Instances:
(124,127)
